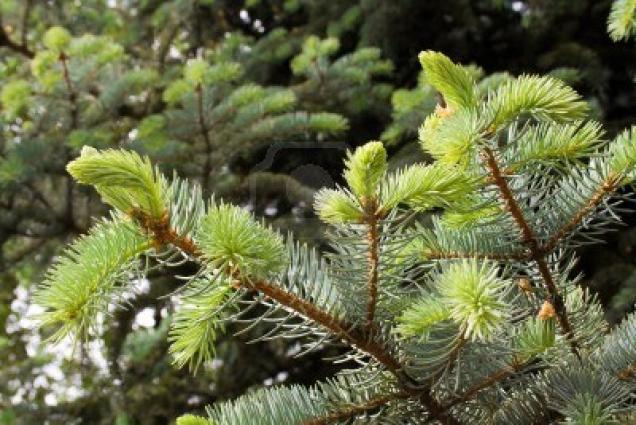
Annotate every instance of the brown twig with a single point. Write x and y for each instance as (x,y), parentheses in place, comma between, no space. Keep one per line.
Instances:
(72,99)
(452,255)
(354,410)
(5,41)
(373,260)
(537,254)
(163,234)
(207,165)
(72,96)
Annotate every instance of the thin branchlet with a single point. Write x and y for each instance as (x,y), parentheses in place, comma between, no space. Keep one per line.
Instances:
(490,380)
(205,133)
(373,241)
(531,241)
(6,41)
(74,117)
(456,255)
(354,410)
(608,186)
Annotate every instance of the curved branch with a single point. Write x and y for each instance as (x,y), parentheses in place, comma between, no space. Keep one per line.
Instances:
(352,411)
(5,41)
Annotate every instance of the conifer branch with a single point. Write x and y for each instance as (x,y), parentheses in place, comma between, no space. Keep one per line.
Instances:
(609,185)
(343,330)
(492,379)
(164,234)
(5,41)
(529,239)
(454,354)
(456,255)
(352,411)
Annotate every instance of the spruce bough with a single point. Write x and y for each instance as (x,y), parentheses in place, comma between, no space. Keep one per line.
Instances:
(478,318)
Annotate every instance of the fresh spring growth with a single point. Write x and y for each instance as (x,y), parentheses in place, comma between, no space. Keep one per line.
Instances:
(534,337)
(469,293)
(475,296)
(175,91)
(103,49)
(424,187)
(365,168)
(197,73)
(230,238)
(313,48)
(338,206)
(622,19)
(421,316)
(421,187)
(88,277)
(14,98)
(195,70)
(57,39)
(197,322)
(193,420)
(623,155)
(453,81)
(452,135)
(124,179)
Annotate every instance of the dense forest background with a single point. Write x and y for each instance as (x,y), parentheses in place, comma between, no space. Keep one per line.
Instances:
(258,101)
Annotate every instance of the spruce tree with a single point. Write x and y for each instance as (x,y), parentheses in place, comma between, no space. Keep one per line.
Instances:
(477,319)
(159,37)
(62,89)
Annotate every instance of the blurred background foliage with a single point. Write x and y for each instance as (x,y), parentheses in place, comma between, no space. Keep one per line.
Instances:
(258,100)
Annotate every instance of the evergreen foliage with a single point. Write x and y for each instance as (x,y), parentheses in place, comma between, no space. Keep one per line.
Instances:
(621,19)
(483,322)
(85,279)
(125,74)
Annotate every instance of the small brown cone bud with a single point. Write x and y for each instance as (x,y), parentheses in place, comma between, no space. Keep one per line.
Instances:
(444,111)
(525,285)
(547,311)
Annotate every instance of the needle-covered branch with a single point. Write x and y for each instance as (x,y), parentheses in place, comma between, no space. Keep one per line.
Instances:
(432,274)
(530,239)
(351,412)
